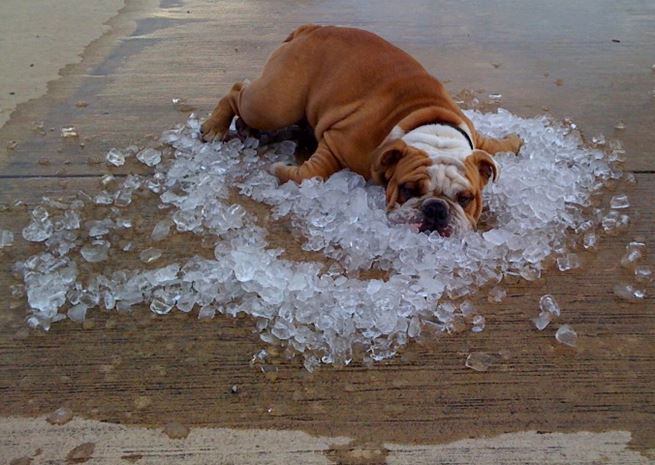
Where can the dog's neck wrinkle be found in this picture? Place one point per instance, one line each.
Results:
(441, 142)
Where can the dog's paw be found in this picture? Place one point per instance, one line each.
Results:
(281, 170)
(515, 142)
(210, 131)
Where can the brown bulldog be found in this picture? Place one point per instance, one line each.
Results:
(375, 110)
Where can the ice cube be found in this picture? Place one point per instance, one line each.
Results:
(478, 324)
(543, 320)
(95, 252)
(590, 240)
(115, 157)
(628, 292)
(631, 257)
(568, 262)
(643, 273)
(161, 230)
(481, 361)
(496, 294)
(6, 238)
(38, 232)
(77, 312)
(566, 335)
(619, 201)
(149, 156)
(69, 132)
(207, 312)
(150, 254)
(547, 303)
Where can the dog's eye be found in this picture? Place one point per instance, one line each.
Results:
(407, 191)
(464, 199)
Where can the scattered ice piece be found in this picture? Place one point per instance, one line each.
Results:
(598, 140)
(6, 238)
(636, 245)
(115, 157)
(17, 291)
(619, 201)
(149, 156)
(162, 304)
(620, 125)
(37, 231)
(590, 240)
(568, 262)
(96, 251)
(547, 303)
(149, 255)
(631, 257)
(481, 361)
(207, 312)
(123, 223)
(496, 294)
(543, 320)
(495, 97)
(628, 292)
(103, 198)
(566, 335)
(161, 230)
(77, 312)
(68, 132)
(61, 416)
(478, 323)
(643, 273)
(467, 308)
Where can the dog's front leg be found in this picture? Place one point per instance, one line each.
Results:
(321, 164)
(218, 123)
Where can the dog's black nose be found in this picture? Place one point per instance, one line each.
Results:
(435, 212)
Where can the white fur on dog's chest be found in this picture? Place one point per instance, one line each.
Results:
(448, 148)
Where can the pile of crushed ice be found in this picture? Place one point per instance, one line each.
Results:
(540, 207)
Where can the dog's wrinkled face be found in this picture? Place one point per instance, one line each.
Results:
(433, 194)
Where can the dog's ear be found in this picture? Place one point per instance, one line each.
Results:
(396, 163)
(385, 159)
(483, 165)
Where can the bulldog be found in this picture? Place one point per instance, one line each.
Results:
(374, 110)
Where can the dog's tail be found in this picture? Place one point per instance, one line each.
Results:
(305, 29)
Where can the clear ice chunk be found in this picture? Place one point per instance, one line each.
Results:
(568, 262)
(542, 320)
(481, 361)
(6, 238)
(643, 273)
(619, 201)
(547, 303)
(95, 252)
(496, 294)
(566, 335)
(149, 156)
(161, 230)
(150, 254)
(628, 292)
(115, 157)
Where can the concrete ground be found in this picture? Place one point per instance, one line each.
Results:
(126, 376)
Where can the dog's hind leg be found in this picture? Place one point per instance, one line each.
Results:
(321, 164)
(511, 143)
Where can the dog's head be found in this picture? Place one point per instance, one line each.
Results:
(442, 194)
